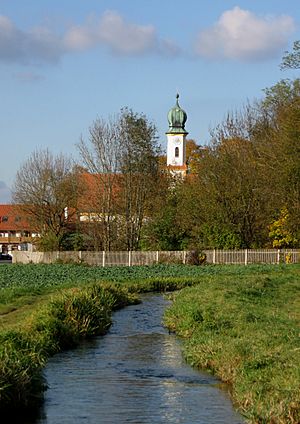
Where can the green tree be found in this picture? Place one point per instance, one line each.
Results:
(140, 176)
(227, 187)
(279, 96)
(163, 230)
(291, 60)
(278, 150)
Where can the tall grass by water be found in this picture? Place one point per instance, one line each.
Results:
(55, 325)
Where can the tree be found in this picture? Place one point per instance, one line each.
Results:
(163, 230)
(46, 190)
(280, 232)
(225, 192)
(278, 151)
(139, 166)
(122, 159)
(101, 158)
(193, 155)
(250, 172)
(291, 60)
(280, 95)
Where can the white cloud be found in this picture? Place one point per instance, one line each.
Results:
(41, 45)
(112, 31)
(240, 34)
(35, 46)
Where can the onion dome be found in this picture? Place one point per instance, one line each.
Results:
(177, 119)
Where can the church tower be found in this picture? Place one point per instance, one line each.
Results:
(176, 137)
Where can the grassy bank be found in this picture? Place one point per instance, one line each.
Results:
(245, 329)
(51, 326)
(239, 322)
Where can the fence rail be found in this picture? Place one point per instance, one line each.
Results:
(241, 257)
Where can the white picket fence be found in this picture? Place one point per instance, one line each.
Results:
(245, 257)
(253, 256)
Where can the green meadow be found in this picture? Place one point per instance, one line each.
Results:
(240, 323)
(245, 329)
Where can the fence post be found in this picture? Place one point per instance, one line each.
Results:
(278, 256)
(157, 256)
(79, 255)
(246, 256)
(129, 258)
(103, 258)
(184, 257)
(214, 256)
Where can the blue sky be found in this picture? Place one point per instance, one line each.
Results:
(63, 63)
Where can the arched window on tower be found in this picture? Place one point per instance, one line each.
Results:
(176, 152)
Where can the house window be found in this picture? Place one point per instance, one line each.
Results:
(176, 152)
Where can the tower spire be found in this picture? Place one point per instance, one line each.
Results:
(176, 135)
(177, 118)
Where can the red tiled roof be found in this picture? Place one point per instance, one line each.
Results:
(94, 186)
(11, 219)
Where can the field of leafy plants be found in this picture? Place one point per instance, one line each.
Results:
(18, 282)
(57, 275)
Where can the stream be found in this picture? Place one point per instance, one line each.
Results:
(133, 374)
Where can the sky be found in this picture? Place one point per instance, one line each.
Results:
(65, 63)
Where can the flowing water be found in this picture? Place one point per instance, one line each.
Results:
(134, 374)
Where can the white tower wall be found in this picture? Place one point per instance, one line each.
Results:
(174, 142)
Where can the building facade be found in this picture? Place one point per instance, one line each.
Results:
(15, 232)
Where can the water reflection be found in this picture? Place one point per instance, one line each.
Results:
(135, 374)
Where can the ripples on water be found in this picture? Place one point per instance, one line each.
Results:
(134, 374)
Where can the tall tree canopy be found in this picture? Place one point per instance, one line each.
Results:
(123, 156)
(291, 60)
(139, 164)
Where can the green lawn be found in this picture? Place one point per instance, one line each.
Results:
(245, 329)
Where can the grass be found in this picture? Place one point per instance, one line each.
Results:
(246, 331)
(241, 323)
